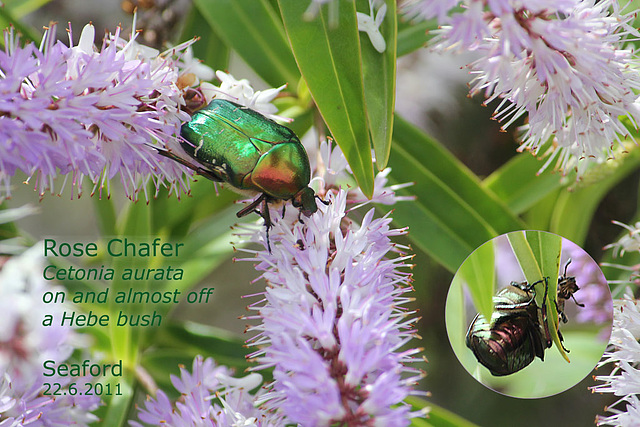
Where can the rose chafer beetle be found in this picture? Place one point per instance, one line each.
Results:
(251, 153)
(518, 331)
(515, 335)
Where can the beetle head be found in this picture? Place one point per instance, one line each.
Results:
(305, 200)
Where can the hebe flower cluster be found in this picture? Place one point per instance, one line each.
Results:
(333, 323)
(70, 110)
(25, 344)
(562, 63)
(233, 404)
(623, 354)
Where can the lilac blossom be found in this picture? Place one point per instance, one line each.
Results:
(25, 344)
(74, 111)
(562, 63)
(333, 323)
(210, 396)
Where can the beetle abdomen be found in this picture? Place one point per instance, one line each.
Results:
(504, 348)
(282, 172)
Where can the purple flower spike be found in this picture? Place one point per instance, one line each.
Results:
(333, 323)
(71, 110)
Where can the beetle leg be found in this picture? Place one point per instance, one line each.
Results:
(531, 286)
(326, 203)
(251, 207)
(544, 312)
(263, 200)
(264, 213)
(577, 303)
(561, 313)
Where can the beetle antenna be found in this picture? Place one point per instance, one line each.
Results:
(565, 267)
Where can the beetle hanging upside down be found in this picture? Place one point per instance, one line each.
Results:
(515, 335)
(518, 330)
(251, 153)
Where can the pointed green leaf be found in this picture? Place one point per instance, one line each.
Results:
(453, 214)
(538, 254)
(519, 185)
(380, 77)
(575, 207)
(437, 415)
(329, 58)
(478, 273)
(253, 29)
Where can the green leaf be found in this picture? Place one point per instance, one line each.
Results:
(179, 343)
(8, 18)
(380, 81)
(570, 211)
(206, 247)
(453, 214)
(456, 316)
(437, 415)
(106, 213)
(329, 60)
(538, 254)
(478, 273)
(117, 408)
(253, 29)
(20, 8)
(575, 207)
(135, 220)
(518, 184)
(413, 35)
(225, 347)
(174, 216)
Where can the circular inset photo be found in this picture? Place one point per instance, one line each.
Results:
(529, 314)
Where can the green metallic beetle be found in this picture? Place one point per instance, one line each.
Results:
(250, 152)
(518, 330)
(515, 335)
